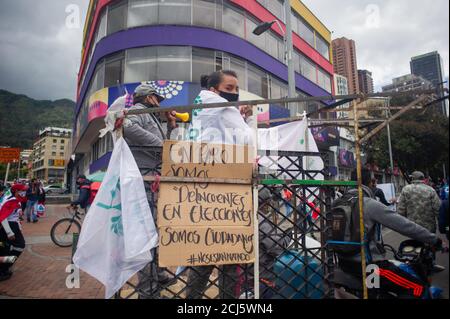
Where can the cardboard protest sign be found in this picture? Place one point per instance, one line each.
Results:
(205, 223)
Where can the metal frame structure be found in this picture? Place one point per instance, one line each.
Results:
(297, 270)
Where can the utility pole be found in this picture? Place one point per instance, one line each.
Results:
(289, 56)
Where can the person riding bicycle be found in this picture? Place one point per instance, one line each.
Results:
(376, 214)
(84, 185)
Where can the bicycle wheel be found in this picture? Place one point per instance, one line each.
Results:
(63, 230)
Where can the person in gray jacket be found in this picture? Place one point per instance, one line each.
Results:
(375, 214)
(145, 135)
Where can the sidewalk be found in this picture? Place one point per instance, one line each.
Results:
(40, 271)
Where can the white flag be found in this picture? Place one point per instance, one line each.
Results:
(118, 232)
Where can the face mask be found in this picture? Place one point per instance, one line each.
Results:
(22, 194)
(230, 97)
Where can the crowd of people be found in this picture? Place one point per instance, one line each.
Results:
(419, 205)
(18, 202)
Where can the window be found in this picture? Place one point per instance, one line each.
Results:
(275, 7)
(51, 162)
(141, 65)
(175, 12)
(117, 16)
(174, 63)
(55, 141)
(61, 154)
(257, 82)
(324, 80)
(238, 66)
(233, 22)
(308, 69)
(272, 46)
(61, 148)
(53, 153)
(202, 63)
(305, 32)
(296, 58)
(278, 89)
(62, 141)
(323, 47)
(114, 70)
(257, 40)
(294, 22)
(53, 147)
(101, 31)
(142, 12)
(204, 13)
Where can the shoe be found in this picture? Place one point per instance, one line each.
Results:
(28, 221)
(35, 221)
(438, 268)
(9, 259)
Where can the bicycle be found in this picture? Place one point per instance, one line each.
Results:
(62, 231)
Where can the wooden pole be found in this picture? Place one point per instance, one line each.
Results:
(360, 202)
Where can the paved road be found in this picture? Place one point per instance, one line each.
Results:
(441, 279)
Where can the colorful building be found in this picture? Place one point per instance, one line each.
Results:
(173, 42)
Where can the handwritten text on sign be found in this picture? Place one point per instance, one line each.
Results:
(205, 223)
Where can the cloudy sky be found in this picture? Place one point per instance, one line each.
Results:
(40, 41)
(388, 32)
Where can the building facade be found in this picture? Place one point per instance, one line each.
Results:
(365, 80)
(341, 88)
(430, 66)
(172, 43)
(345, 62)
(49, 153)
(407, 83)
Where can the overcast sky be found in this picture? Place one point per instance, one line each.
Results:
(40, 52)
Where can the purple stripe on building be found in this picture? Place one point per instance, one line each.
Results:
(100, 164)
(197, 37)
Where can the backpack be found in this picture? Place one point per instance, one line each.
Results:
(94, 187)
(345, 225)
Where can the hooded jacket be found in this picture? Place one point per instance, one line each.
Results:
(375, 213)
(144, 130)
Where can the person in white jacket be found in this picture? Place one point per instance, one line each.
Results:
(225, 125)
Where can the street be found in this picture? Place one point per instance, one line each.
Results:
(41, 270)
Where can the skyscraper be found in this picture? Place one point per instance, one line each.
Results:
(430, 67)
(365, 81)
(345, 63)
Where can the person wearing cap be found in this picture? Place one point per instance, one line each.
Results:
(84, 185)
(146, 129)
(140, 132)
(420, 203)
(10, 230)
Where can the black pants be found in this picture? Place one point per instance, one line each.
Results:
(198, 281)
(13, 247)
(392, 279)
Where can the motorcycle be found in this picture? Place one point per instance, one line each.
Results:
(412, 257)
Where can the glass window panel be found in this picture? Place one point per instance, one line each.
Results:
(324, 80)
(175, 12)
(114, 70)
(323, 47)
(258, 40)
(219, 14)
(276, 8)
(308, 69)
(294, 22)
(101, 31)
(239, 67)
(117, 15)
(174, 63)
(306, 33)
(142, 12)
(203, 63)
(296, 57)
(233, 22)
(204, 12)
(257, 82)
(272, 44)
(141, 65)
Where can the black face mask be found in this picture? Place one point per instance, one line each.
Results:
(230, 97)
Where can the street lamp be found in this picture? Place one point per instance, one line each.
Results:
(289, 48)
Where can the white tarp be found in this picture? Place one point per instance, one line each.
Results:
(118, 232)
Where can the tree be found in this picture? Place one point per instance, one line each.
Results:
(420, 141)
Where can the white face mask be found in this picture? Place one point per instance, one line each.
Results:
(22, 193)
